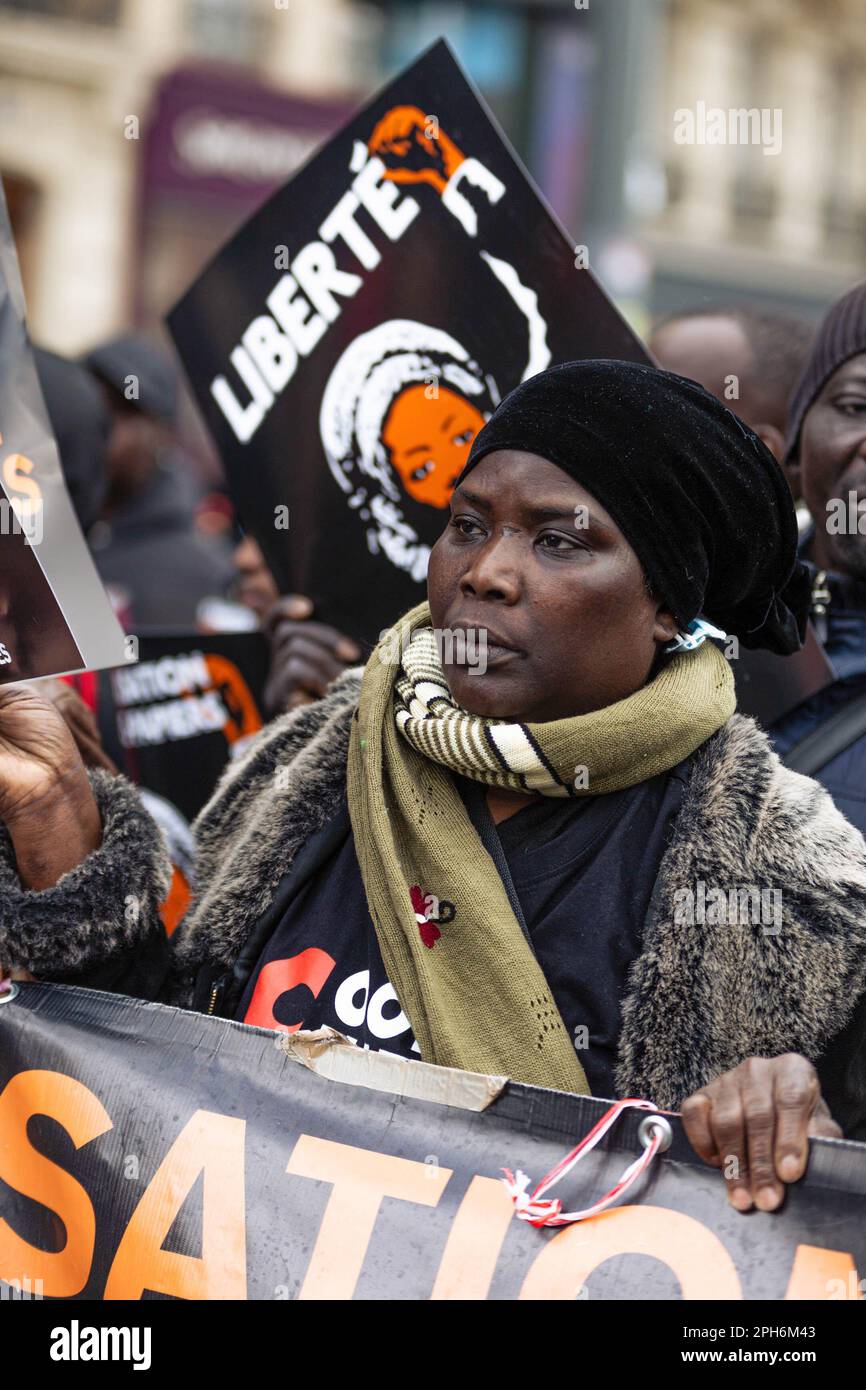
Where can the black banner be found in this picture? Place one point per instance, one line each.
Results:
(180, 713)
(349, 342)
(146, 1152)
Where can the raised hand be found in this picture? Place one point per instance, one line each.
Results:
(46, 802)
(305, 656)
(414, 149)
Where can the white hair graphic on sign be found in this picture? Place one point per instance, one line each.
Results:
(398, 415)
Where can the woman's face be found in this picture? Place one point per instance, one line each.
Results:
(532, 565)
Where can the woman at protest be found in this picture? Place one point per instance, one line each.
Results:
(531, 837)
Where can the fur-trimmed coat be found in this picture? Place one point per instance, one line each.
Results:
(700, 998)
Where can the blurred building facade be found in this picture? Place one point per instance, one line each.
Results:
(787, 226)
(135, 134)
(80, 137)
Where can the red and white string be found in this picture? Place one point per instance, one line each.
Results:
(532, 1206)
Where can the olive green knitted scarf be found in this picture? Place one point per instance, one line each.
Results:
(453, 949)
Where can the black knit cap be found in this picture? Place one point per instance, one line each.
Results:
(699, 498)
(133, 355)
(842, 335)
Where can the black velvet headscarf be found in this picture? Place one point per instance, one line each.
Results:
(699, 498)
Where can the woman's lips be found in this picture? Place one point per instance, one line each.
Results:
(497, 655)
(481, 649)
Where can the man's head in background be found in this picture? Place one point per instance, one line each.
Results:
(140, 386)
(826, 444)
(751, 359)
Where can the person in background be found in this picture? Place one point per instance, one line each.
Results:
(306, 656)
(826, 458)
(146, 543)
(81, 423)
(749, 358)
(254, 584)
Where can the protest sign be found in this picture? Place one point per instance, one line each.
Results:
(349, 342)
(181, 711)
(146, 1151)
(55, 614)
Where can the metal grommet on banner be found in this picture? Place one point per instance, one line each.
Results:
(655, 1126)
(7, 995)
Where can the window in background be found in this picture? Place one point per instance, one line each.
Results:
(228, 30)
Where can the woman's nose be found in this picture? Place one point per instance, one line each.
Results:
(494, 573)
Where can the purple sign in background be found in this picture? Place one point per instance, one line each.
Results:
(216, 133)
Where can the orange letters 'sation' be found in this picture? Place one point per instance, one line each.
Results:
(688, 1247)
(311, 968)
(212, 1144)
(474, 1241)
(65, 1272)
(816, 1270)
(361, 1178)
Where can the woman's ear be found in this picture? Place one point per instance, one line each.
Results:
(773, 438)
(666, 626)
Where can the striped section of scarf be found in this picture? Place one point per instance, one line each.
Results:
(493, 751)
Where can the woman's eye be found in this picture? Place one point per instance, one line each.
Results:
(853, 405)
(465, 525)
(552, 540)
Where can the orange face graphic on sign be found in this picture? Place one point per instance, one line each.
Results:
(428, 440)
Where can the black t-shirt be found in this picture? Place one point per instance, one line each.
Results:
(583, 873)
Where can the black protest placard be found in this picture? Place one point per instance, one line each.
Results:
(349, 342)
(146, 1151)
(185, 707)
(54, 614)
